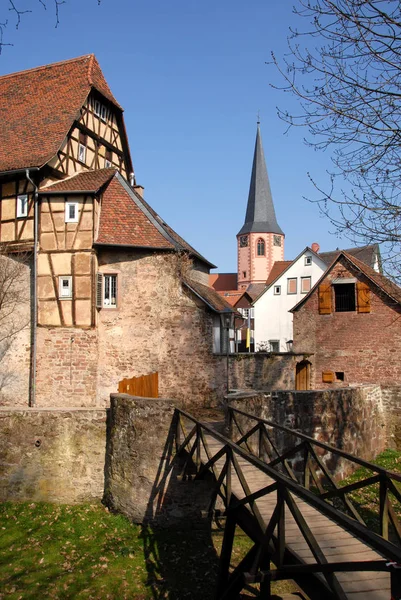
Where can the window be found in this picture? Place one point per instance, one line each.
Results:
(277, 290)
(305, 285)
(65, 287)
(308, 261)
(260, 248)
(274, 345)
(344, 294)
(103, 113)
(276, 240)
(22, 205)
(292, 285)
(243, 241)
(108, 159)
(97, 108)
(244, 274)
(71, 212)
(83, 141)
(106, 291)
(245, 312)
(340, 376)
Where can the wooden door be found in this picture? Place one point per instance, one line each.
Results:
(302, 375)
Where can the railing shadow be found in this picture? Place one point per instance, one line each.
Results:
(181, 560)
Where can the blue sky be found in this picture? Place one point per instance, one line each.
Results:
(192, 77)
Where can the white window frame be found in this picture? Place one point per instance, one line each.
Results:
(107, 163)
(277, 290)
(103, 288)
(104, 113)
(22, 206)
(97, 108)
(308, 261)
(310, 284)
(62, 288)
(68, 218)
(81, 152)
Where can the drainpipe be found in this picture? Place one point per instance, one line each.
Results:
(34, 310)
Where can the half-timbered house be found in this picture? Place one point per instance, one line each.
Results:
(115, 292)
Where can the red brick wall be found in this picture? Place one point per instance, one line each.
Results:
(366, 347)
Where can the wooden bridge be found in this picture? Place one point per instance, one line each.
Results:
(290, 506)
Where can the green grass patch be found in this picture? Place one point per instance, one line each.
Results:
(366, 500)
(83, 551)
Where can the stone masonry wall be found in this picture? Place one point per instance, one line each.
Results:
(52, 455)
(351, 419)
(141, 472)
(365, 347)
(66, 367)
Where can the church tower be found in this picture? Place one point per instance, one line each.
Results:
(260, 241)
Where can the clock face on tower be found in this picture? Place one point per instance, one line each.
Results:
(243, 241)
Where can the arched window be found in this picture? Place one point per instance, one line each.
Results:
(261, 247)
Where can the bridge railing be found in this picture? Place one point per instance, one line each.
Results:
(307, 461)
(269, 538)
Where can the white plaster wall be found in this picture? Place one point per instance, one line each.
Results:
(272, 319)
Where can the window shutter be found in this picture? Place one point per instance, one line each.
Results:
(325, 299)
(363, 297)
(99, 290)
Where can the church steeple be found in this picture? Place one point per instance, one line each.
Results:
(260, 215)
(260, 239)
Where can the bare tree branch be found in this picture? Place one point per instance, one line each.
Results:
(344, 66)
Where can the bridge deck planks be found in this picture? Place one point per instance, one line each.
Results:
(336, 543)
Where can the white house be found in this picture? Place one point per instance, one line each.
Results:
(288, 283)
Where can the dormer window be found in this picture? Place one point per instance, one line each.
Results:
(260, 247)
(22, 206)
(71, 212)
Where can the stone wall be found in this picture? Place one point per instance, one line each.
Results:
(262, 371)
(52, 455)
(66, 367)
(352, 419)
(142, 471)
(391, 397)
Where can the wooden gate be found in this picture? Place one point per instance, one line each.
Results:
(146, 386)
(302, 375)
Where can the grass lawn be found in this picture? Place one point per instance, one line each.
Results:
(52, 551)
(366, 500)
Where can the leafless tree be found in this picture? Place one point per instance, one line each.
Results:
(16, 10)
(344, 65)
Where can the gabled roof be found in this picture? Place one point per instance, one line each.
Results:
(83, 182)
(234, 296)
(369, 254)
(209, 296)
(39, 106)
(127, 220)
(282, 267)
(260, 215)
(387, 286)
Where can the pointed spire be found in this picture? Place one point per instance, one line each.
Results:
(260, 215)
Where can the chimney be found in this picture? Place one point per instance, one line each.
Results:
(315, 247)
(139, 189)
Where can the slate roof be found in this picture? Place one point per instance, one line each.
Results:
(85, 181)
(369, 254)
(209, 296)
(39, 106)
(255, 289)
(383, 283)
(260, 215)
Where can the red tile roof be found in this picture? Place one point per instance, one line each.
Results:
(223, 281)
(209, 296)
(122, 222)
(278, 267)
(85, 181)
(231, 296)
(39, 106)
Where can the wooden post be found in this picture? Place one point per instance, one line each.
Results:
(225, 556)
(383, 506)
